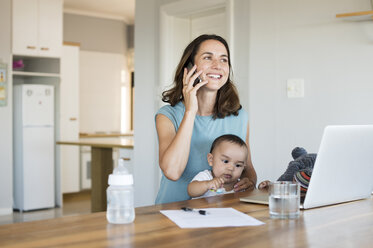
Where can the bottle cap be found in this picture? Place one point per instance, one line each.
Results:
(121, 175)
(120, 179)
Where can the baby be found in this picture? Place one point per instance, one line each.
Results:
(227, 157)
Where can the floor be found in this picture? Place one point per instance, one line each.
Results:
(73, 204)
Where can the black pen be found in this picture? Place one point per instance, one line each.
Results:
(186, 209)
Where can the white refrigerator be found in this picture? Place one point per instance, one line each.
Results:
(33, 146)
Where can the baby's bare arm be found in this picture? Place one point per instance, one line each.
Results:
(198, 188)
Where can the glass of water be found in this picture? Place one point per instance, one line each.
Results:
(284, 200)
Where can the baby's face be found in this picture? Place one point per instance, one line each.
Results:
(228, 161)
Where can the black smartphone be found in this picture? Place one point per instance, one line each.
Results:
(198, 79)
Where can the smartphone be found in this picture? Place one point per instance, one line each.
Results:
(198, 79)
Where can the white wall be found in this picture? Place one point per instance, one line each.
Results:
(240, 48)
(304, 39)
(104, 52)
(96, 34)
(6, 131)
(273, 41)
(210, 22)
(146, 74)
(100, 91)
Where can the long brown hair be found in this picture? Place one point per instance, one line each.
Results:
(227, 100)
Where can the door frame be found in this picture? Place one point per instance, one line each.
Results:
(174, 27)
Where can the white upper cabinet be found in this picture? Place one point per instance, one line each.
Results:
(50, 27)
(37, 27)
(25, 28)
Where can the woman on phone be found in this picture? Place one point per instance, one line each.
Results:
(203, 105)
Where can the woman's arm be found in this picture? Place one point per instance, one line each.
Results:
(174, 146)
(248, 177)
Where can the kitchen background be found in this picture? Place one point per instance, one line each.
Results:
(91, 72)
(272, 42)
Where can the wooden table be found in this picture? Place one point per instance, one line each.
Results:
(343, 225)
(101, 165)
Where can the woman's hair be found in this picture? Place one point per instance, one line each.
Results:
(227, 100)
(229, 138)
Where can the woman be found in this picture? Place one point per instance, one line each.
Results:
(198, 113)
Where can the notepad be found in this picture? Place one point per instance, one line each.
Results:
(215, 217)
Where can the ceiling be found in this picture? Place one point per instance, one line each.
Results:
(112, 9)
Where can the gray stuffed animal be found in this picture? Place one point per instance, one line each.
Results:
(303, 161)
(300, 169)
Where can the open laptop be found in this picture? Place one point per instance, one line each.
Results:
(343, 169)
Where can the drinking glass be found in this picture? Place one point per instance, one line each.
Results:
(284, 200)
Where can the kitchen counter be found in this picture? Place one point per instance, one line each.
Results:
(104, 135)
(101, 164)
(103, 142)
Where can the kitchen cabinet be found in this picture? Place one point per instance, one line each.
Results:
(37, 27)
(69, 121)
(36, 67)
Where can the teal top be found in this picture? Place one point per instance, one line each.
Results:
(205, 131)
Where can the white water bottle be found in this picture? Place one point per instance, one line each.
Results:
(119, 194)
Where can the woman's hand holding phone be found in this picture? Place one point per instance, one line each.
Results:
(190, 90)
(198, 79)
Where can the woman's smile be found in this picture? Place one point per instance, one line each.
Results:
(214, 76)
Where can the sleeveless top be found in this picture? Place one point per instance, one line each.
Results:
(205, 131)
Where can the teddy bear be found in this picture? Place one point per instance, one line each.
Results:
(299, 170)
(303, 161)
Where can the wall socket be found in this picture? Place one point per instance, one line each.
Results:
(295, 87)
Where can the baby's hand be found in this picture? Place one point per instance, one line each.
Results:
(264, 184)
(216, 183)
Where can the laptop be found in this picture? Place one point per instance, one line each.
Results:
(343, 169)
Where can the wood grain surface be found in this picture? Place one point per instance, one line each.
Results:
(123, 142)
(343, 225)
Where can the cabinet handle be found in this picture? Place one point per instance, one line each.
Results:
(72, 119)
(126, 159)
(44, 49)
(31, 47)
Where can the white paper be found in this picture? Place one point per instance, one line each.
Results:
(215, 217)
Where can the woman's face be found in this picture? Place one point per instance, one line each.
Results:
(212, 59)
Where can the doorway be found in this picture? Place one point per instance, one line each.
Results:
(180, 23)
